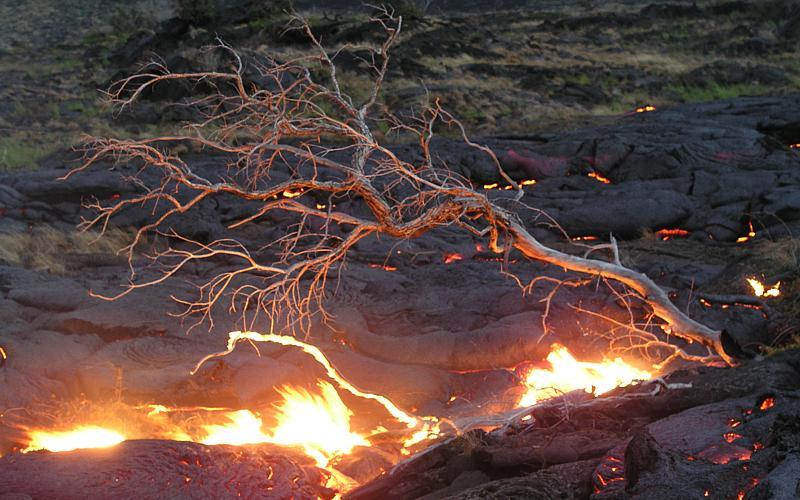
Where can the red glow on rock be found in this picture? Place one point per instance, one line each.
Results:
(449, 258)
(668, 234)
(383, 266)
(599, 177)
(725, 453)
(731, 436)
(768, 403)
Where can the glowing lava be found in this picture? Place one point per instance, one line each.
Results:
(668, 234)
(318, 423)
(82, 437)
(760, 290)
(568, 374)
(599, 177)
(645, 109)
(751, 233)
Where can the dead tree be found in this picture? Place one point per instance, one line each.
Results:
(288, 138)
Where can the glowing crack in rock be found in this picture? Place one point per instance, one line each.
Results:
(81, 437)
(567, 374)
(760, 290)
(599, 177)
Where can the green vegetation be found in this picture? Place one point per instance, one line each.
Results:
(715, 91)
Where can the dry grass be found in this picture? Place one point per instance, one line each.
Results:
(48, 249)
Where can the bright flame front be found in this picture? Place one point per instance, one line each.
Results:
(318, 423)
(568, 374)
(81, 437)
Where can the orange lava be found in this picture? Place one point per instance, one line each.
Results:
(599, 177)
(384, 267)
(449, 258)
(731, 436)
(768, 403)
(645, 109)
(668, 234)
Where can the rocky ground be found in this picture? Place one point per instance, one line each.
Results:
(710, 169)
(716, 171)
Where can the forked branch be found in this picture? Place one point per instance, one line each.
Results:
(304, 152)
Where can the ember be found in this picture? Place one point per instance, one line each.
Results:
(767, 403)
(731, 436)
(449, 258)
(760, 290)
(668, 234)
(645, 109)
(750, 234)
(82, 437)
(568, 374)
(599, 177)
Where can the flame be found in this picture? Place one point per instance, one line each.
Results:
(751, 233)
(89, 436)
(384, 267)
(567, 374)
(243, 427)
(285, 340)
(668, 234)
(645, 109)
(731, 436)
(449, 258)
(288, 193)
(599, 177)
(508, 187)
(760, 290)
(318, 423)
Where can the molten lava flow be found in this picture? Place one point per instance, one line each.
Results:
(3, 356)
(82, 437)
(599, 177)
(668, 234)
(645, 109)
(567, 374)
(760, 290)
(320, 424)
